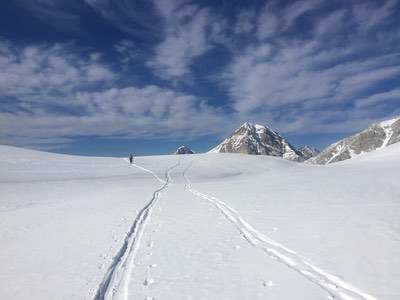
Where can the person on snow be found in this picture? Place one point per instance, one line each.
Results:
(131, 158)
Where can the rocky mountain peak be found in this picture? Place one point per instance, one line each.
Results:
(184, 150)
(259, 140)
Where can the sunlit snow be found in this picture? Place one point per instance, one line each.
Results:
(201, 226)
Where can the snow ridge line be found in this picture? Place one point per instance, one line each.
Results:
(334, 286)
(119, 272)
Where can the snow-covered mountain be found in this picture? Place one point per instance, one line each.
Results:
(184, 150)
(375, 137)
(258, 139)
(308, 151)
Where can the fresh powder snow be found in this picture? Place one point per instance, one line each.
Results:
(201, 226)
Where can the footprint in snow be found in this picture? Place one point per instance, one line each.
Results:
(157, 227)
(268, 283)
(150, 244)
(148, 281)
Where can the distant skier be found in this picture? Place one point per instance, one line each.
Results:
(131, 158)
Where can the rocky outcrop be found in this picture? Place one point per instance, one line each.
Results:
(308, 152)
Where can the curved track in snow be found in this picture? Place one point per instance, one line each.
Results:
(334, 286)
(116, 280)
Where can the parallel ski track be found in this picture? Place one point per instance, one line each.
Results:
(116, 280)
(334, 286)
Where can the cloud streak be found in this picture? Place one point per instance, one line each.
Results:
(186, 38)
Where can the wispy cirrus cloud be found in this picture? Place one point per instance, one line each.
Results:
(63, 15)
(328, 66)
(371, 14)
(379, 98)
(186, 37)
(307, 66)
(134, 17)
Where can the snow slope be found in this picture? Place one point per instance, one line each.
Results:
(204, 226)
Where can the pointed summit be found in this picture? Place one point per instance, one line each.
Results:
(184, 150)
(260, 140)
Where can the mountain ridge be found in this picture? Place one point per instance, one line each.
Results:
(375, 137)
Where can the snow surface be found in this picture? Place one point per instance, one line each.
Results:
(204, 226)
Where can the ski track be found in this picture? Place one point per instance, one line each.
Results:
(334, 286)
(115, 283)
(119, 273)
(153, 173)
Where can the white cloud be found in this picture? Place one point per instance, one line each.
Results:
(127, 51)
(369, 15)
(129, 16)
(186, 38)
(267, 22)
(245, 22)
(295, 10)
(302, 66)
(48, 69)
(275, 19)
(59, 14)
(297, 82)
(384, 97)
(51, 94)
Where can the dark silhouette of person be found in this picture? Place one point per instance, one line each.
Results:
(131, 158)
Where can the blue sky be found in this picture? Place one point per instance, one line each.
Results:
(107, 77)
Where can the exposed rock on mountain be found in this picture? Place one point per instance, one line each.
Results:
(184, 150)
(308, 152)
(374, 137)
(258, 139)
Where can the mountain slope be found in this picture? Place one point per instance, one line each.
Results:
(375, 137)
(308, 151)
(260, 140)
